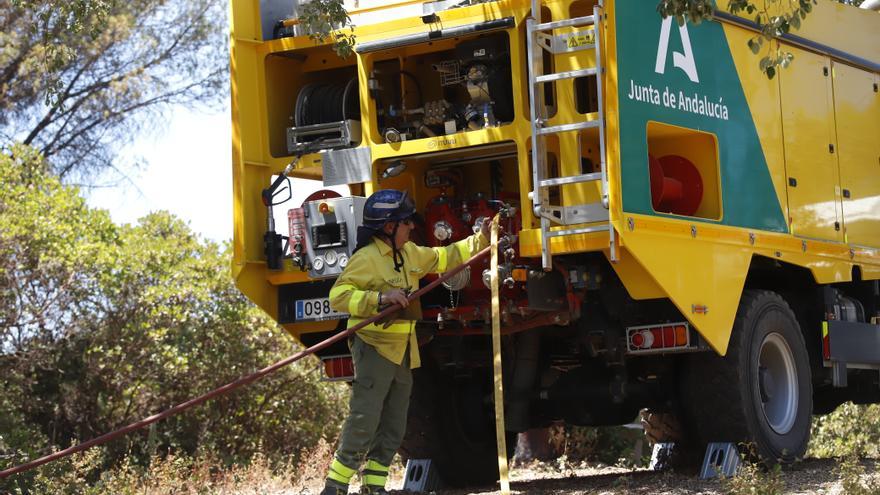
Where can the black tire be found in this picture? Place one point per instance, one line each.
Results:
(760, 394)
(451, 423)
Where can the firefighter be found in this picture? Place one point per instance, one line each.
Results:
(384, 268)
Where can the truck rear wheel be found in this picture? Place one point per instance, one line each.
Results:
(452, 423)
(760, 394)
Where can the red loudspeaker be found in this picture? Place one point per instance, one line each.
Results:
(676, 185)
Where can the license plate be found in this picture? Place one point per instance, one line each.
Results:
(317, 310)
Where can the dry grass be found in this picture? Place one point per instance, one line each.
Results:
(179, 476)
(309, 477)
(815, 476)
(174, 476)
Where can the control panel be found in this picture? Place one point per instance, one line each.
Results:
(330, 233)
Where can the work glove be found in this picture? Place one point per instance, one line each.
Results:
(389, 297)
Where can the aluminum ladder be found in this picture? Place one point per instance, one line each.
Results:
(596, 215)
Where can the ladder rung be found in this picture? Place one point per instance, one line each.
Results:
(577, 21)
(573, 179)
(553, 129)
(581, 230)
(571, 74)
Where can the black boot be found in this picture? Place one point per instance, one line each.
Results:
(333, 489)
(373, 490)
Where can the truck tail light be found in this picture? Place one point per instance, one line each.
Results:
(338, 368)
(668, 337)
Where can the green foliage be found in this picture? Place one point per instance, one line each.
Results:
(164, 475)
(850, 429)
(754, 479)
(77, 17)
(853, 479)
(81, 79)
(50, 244)
(608, 445)
(774, 18)
(686, 10)
(102, 325)
(328, 19)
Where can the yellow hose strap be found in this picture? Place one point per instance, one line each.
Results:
(442, 259)
(375, 466)
(496, 356)
(340, 472)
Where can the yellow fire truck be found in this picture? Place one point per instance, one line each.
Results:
(685, 235)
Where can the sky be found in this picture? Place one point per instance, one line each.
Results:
(187, 171)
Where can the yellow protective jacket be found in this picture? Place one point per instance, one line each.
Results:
(371, 271)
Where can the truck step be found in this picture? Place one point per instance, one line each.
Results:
(579, 230)
(572, 179)
(575, 214)
(576, 126)
(571, 74)
(586, 20)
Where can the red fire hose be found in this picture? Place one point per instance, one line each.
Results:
(245, 380)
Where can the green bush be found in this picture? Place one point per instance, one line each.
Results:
(162, 476)
(850, 429)
(753, 479)
(853, 480)
(102, 325)
(608, 445)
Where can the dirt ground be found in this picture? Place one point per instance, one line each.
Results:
(812, 476)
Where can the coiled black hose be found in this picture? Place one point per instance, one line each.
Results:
(324, 103)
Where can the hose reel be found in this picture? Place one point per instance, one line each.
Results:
(459, 281)
(329, 112)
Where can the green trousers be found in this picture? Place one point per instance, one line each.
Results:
(378, 406)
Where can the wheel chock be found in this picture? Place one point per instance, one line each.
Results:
(420, 476)
(660, 456)
(722, 459)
